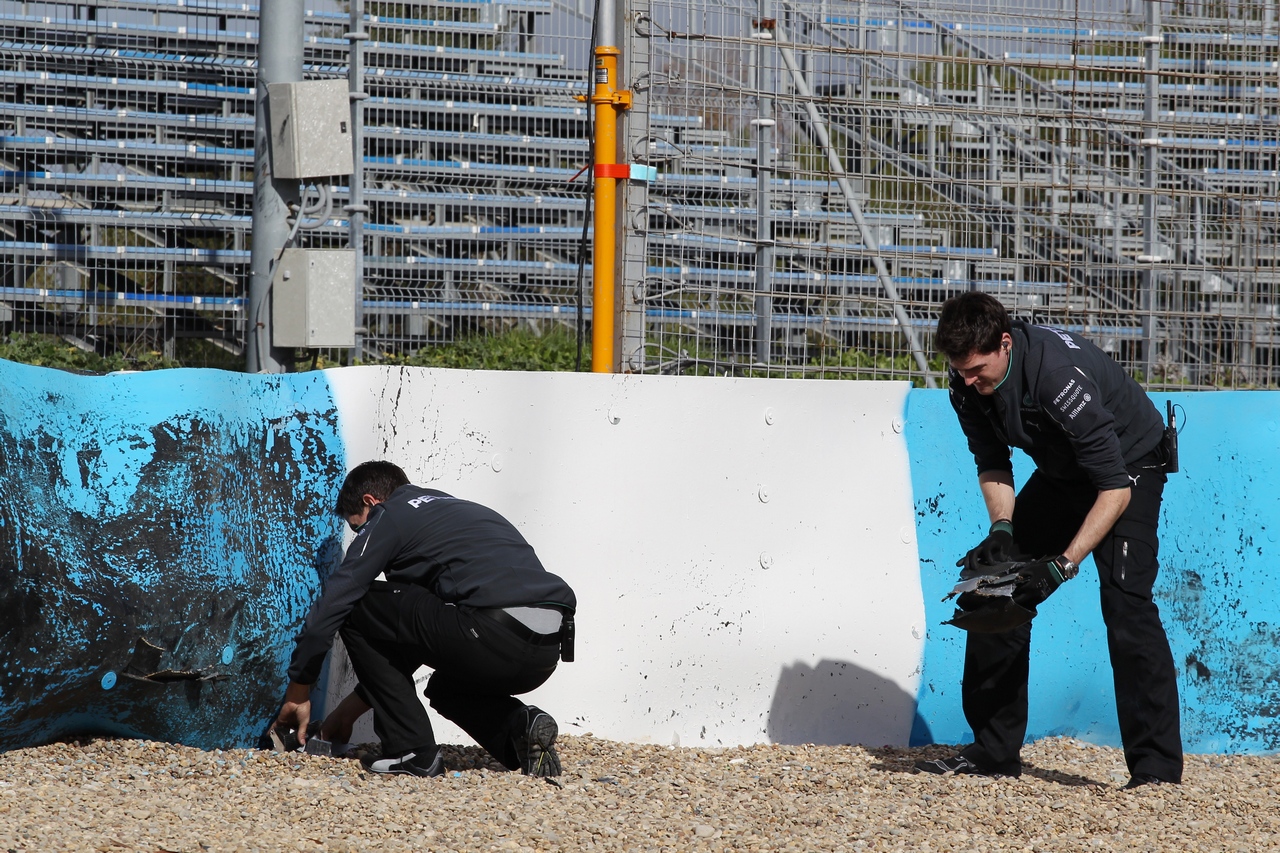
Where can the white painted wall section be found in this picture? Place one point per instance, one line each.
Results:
(743, 551)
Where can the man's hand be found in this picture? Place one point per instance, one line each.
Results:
(296, 710)
(1037, 581)
(998, 547)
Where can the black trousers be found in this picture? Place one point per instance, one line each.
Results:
(479, 666)
(1046, 516)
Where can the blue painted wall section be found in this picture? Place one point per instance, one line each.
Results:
(1220, 580)
(1218, 591)
(161, 538)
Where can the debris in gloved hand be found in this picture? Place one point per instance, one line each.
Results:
(986, 603)
(1000, 581)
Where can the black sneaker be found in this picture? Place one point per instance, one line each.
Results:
(535, 747)
(1138, 780)
(409, 764)
(956, 765)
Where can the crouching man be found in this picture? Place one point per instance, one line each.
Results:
(464, 595)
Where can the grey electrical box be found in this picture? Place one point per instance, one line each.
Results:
(310, 129)
(313, 298)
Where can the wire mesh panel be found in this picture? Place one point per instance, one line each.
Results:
(474, 134)
(125, 167)
(832, 171)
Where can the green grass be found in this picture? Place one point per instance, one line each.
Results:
(518, 349)
(51, 351)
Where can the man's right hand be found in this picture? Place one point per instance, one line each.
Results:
(998, 547)
(1037, 581)
(295, 712)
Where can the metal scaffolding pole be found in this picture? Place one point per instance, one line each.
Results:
(609, 100)
(279, 61)
(764, 123)
(1151, 140)
(635, 200)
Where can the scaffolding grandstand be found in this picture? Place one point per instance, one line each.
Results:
(822, 175)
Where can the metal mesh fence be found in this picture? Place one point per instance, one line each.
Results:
(1105, 167)
(827, 173)
(125, 167)
(473, 136)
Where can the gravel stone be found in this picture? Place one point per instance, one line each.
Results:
(127, 795)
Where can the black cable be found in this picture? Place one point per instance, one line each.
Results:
(590, 185)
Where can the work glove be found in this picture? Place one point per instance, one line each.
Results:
(998, 547)
(1037, 581)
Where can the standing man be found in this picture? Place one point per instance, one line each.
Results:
(465, 595)
(1098, 444)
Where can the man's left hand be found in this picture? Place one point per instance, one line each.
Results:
(1037, 581)
(296, 711)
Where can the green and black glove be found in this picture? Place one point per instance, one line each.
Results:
(1039, 580)
(998, 547)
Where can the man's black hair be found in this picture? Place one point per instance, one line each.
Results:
(375, 478)
(971, 322)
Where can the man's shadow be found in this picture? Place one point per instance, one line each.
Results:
(902, 760)
(838, 702)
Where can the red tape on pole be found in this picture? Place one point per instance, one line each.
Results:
(622, 171)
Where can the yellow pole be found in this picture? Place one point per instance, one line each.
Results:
(608, 101)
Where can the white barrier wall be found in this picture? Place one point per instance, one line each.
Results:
(743, 551)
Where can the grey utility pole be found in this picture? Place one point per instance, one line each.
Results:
(279, 61)
(357, 208)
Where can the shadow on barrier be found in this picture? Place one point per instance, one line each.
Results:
(838, 702)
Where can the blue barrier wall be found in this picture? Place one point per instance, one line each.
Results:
(161, 537)
(1217, 589)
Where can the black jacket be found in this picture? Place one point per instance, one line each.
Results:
(463, 552)
(1067, 404)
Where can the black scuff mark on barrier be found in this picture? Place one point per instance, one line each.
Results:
(215, 552)
(1232, 665)
(934, 513)
(395, 405)
(930, 505)
(87, 460)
